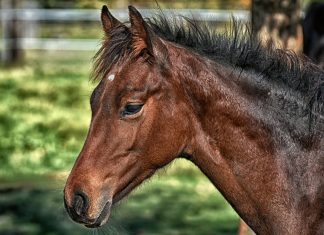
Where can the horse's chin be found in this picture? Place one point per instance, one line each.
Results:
(103, 217)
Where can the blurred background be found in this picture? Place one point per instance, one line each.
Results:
(46, 57)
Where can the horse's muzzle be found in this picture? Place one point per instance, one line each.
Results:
(78, 210)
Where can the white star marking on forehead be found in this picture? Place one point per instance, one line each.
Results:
(111, 77)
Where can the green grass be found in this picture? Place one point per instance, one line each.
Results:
(44, 117)
(44, 112)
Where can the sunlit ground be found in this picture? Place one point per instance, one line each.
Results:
(44, 116)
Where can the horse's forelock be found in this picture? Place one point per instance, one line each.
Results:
(114, 48)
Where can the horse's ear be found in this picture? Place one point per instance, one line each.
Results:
(108, 20)
(142, 43)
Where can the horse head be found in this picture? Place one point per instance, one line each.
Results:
(135, 126)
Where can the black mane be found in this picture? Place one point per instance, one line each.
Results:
(237, 48)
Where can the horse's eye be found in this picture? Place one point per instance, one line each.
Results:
(131, 109)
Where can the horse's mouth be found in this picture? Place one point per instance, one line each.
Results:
(105, 213)
(103, 217)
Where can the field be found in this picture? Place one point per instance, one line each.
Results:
(44, 116)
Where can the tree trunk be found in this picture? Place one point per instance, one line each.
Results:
(278, 21)
(11, 54)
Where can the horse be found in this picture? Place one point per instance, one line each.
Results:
(251, 118)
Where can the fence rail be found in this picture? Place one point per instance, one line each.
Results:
(31, 16)
(93, 15)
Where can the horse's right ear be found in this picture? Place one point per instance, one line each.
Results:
(108, 20)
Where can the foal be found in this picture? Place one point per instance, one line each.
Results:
(250, 118)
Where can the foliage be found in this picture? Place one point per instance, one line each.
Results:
(73, 30)
(305, 3)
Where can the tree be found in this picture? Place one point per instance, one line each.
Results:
(278, 21)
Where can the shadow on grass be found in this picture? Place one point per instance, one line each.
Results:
(161, 207)
(27, 211)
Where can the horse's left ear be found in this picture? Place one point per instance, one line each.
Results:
(142, 43)
(108, 20)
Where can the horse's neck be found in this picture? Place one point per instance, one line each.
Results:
(236, 151)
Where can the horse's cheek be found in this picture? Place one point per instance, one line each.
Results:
(164, 142)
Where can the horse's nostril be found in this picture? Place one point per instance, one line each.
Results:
(80, 203)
